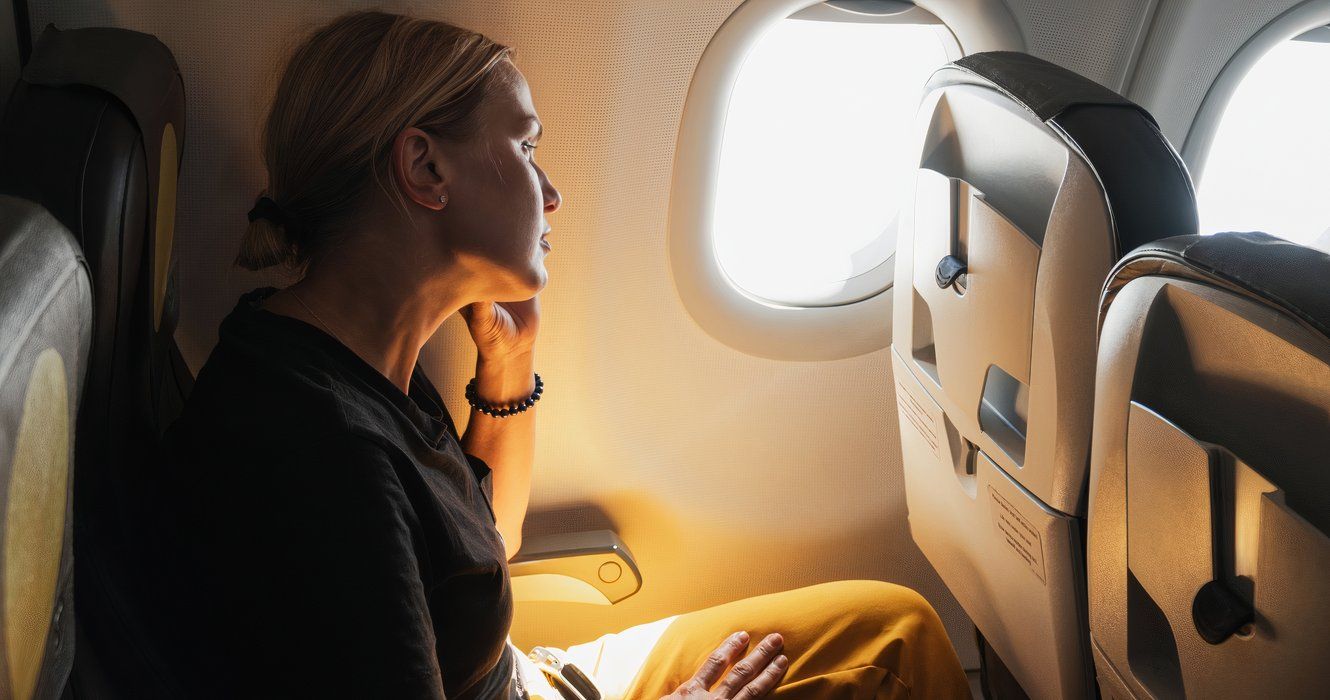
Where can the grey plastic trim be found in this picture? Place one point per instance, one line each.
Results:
(871, 7)
(1127, 75)
(597, 558)
(1319, 35)
(866, 12)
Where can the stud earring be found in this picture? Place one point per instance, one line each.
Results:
(443, 200)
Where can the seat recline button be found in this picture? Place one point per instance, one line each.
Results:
(948, 270)
(1218, 613)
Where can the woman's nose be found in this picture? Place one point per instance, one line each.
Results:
(553, 200)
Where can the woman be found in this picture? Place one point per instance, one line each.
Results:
(335, 534)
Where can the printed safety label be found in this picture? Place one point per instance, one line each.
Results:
(918, 416)
(1019, 534)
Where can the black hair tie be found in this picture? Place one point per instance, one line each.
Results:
(267, 208)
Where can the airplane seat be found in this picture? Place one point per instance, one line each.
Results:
(46, 323)
(1032, 181)
(93, 131)
(1209, 513)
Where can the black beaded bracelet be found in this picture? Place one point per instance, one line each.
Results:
(473, 398)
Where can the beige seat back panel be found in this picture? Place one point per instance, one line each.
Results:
(1212, 423)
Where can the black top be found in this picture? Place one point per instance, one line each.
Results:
(334, 538)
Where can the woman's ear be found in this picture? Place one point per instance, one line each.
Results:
(417, 166)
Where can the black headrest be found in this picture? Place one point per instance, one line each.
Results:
(1044, 88)
(93, 131)
(46, 327)
(136, 69)
(1284, 275)
(1146, 182)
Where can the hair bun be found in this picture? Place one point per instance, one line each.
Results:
(269, 240)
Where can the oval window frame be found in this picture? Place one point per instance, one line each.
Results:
(725, 311)
(1204, 126)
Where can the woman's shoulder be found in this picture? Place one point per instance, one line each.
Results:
(244, 393)
(251, 417)
(265, 362)
(258, 453)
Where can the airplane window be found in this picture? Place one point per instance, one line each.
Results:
(816, 157)
(1267, 169)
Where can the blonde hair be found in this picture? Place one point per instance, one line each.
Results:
(345, 94)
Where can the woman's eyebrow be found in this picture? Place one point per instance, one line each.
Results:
(528, 120)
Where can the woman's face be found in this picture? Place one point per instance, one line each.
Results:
(498, 196)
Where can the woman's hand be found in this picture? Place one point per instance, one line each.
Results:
(503, 329)
(754, 677)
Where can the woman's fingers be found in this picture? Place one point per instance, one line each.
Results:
(753, 669)
(765, 681)
(720, 659)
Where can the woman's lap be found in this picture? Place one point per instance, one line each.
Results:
(844, 639)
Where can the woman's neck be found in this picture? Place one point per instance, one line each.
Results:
(384, 321)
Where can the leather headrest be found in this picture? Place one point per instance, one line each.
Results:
(1284, 275)
(1044, 88)
(140, 75)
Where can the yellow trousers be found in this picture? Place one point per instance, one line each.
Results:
(845, 640)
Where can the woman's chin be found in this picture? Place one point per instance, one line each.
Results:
(536, 278)
(538, 265)
(544, 279)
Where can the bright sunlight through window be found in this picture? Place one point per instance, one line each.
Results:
(1269, 166)
(816, 158)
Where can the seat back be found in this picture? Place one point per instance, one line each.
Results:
(93, 131)
(46, 327)
(1209, 525)
(1031, 181)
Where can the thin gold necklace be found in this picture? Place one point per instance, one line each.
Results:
(317, 317)
(327, 328)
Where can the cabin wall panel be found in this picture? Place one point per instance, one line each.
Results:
(727, 475)
(1096, 38)
(1188, 45)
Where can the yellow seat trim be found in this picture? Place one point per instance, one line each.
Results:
(165, 226)
(35, 521)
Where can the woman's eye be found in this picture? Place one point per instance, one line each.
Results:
(529, 145)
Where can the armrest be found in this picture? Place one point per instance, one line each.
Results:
(582, 567)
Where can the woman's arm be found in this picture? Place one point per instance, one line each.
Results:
(507, 445)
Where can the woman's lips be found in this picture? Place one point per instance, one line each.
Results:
(543, 242)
